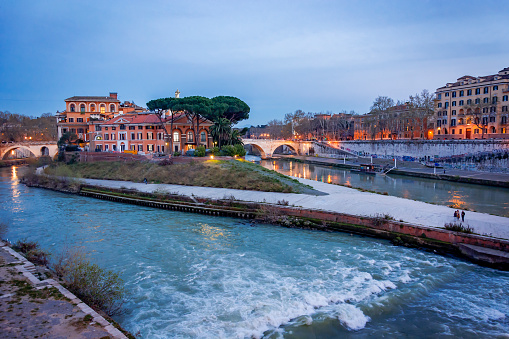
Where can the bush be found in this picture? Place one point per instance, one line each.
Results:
(31, 251)
(200, 151)
(94, 285)
(215, 150)
(230, 150)
(176, 154)
(458, 227)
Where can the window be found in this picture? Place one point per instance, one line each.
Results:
(486, 100)
(113, 128)
(71, 119)
(477, 101)
(112, 136)
(439, 96)
(461, 131)
(484, 120)
(203, 136)
(446, 104)
(454, 94)
(477, 91)
(447, 94)
(140, 148)
(492, 119)
(444, 113)
(122, 127)
(131, 128)
(469, 92)
(150, 136)
(98, 128)
(486, 90)
(106, 147)
(476, 131)
(112, 108)
(504, 108)
(493, 109)
(82, 108)
(122, 136)
(73, 108)
(505, 98)
(469, 102)
(106, 136)
(444, 122)
(176, 136)
(453, 112)
(79, 119)
(453, 122)
(140, 136)
(133, 136)
(495, 88)
(64, 130)
(150, 148)
(462, 102)
(439, 105)
(105, 128)
(133, 147)
(462, 93)
(453, 130)
(453, 103)
(103, 108)
(92, 107)
(503, 120)
(494, 100)
(140, 127)
(80, 130)
(114, 147)
(190, 136)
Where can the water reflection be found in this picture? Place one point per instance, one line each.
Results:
(485, 199)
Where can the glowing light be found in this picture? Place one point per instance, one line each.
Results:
(211, 157)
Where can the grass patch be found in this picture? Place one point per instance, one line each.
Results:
(213, 173)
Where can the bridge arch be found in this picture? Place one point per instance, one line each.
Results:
(258, 148)
(11, 150)
(281, 147)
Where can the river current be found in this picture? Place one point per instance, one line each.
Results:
(195, 276)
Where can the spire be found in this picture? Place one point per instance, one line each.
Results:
(177, 93)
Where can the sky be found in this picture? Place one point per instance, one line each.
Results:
(277, 56)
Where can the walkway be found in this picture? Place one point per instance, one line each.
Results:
(339, 199)
(407, 166)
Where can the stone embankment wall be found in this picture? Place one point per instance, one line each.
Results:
(428, 149)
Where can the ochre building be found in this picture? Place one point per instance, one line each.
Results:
(473, 108)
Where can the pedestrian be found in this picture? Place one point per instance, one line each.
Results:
(145, 181)
(455, 214)
(463, 216)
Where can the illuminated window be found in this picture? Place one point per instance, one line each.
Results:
(203, 136)
(176, 136)
(190, 137)
(103, 108)
(92, 107)
(82, 108)
(112, 108)
(73, 108)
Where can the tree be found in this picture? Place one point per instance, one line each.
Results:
(478, 113)
(220, 130)
(420, 108)
(230, 108)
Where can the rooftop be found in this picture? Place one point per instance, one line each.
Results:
(92, 98)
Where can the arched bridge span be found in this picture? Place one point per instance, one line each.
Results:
(48, 148)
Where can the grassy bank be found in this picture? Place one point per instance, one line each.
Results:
(213, 173)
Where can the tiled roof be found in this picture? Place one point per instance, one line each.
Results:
(92, 98)
(486, 78)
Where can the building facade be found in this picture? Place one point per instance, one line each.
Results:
(473, 108)
(399, 122)
(145, 133)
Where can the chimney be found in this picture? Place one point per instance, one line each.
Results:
(113, 95)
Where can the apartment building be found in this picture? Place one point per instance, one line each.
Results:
(473, 108)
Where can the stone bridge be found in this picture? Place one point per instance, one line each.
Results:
(37, 148)
(268, 146)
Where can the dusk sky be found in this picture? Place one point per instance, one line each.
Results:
(277, 56)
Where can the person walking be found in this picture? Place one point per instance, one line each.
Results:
(463, 216)
(455, 214)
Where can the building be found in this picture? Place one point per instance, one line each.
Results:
(473, 108)
(146, 133)
(106, 124)
(399, 122)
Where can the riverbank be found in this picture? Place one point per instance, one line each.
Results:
(32, 308)
(414, 170)
(405, 221)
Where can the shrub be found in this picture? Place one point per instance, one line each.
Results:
(176, 154)
(200, 151)
(31, 251)
(94, 285)
(24, 245)
(458, 227)
(228, 150)
(215, 150)
(239, 150)
(165, 162)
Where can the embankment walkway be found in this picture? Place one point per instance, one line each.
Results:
(415, 169)
(338, 199)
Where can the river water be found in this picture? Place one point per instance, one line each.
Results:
(195, 276)
(486, 199)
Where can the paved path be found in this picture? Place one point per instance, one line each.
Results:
(34, 308)
(339, 199)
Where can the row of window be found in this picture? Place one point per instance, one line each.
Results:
(77, 120)
(148, 148)
(461, 121)
(150, 136)
(469, 92)
(477, 101)
(492, 130)
(492, 109)
(92, 108)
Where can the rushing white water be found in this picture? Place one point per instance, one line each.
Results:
(193, 276)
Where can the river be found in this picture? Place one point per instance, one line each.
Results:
(486, 199)
(195, 276)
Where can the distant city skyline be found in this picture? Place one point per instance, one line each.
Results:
(277, 56)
